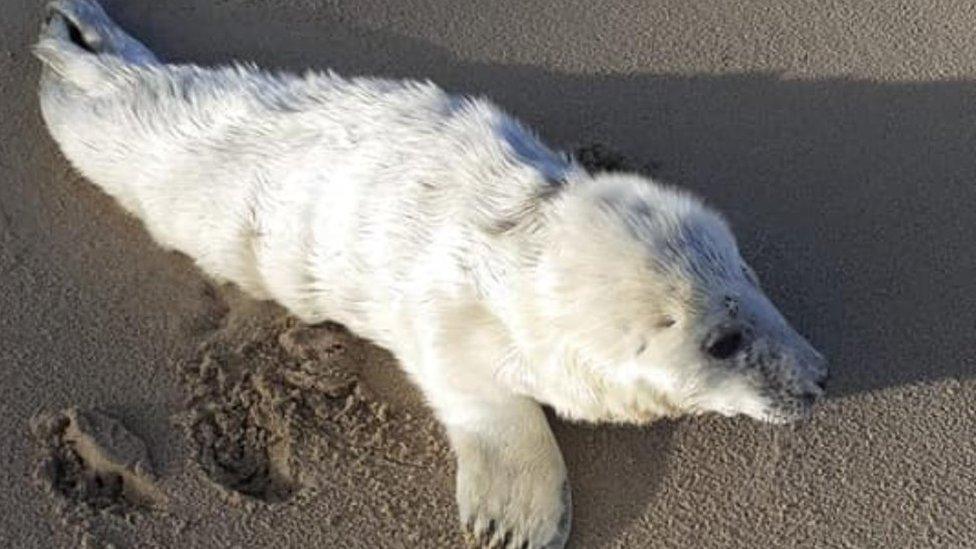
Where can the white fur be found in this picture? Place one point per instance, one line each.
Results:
(499, 272)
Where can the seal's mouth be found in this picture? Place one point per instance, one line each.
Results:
(792, 408)
(781, 418)
(796, 400)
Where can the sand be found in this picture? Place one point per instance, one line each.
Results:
(143, 406)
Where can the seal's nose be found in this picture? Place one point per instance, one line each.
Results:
(823, 372)
(814, 383)
(817, 366)
(822, 379)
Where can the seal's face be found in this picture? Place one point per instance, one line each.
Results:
(749, 360)
(732, 352)
(726, 349)
(675, 321)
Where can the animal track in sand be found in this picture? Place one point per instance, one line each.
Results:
(262, 383)
(242, 455)
(92, 461)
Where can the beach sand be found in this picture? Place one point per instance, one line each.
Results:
(141, 405)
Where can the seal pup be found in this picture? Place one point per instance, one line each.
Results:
(501, 274)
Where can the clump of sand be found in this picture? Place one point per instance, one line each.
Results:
(598, 157)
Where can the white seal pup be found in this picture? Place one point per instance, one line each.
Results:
(501, 274)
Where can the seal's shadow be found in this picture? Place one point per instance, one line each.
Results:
(854, 200)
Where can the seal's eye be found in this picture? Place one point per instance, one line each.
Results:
(726, 346)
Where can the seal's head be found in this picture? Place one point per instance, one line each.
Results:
(654, 300)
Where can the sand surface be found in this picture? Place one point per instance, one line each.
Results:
(141, 406)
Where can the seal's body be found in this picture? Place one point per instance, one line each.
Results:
(500, 273)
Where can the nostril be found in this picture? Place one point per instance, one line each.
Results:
(824, 378)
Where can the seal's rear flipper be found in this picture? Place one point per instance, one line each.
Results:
(82, 47)
(61, 55)
(74, 34)
(93, 31)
